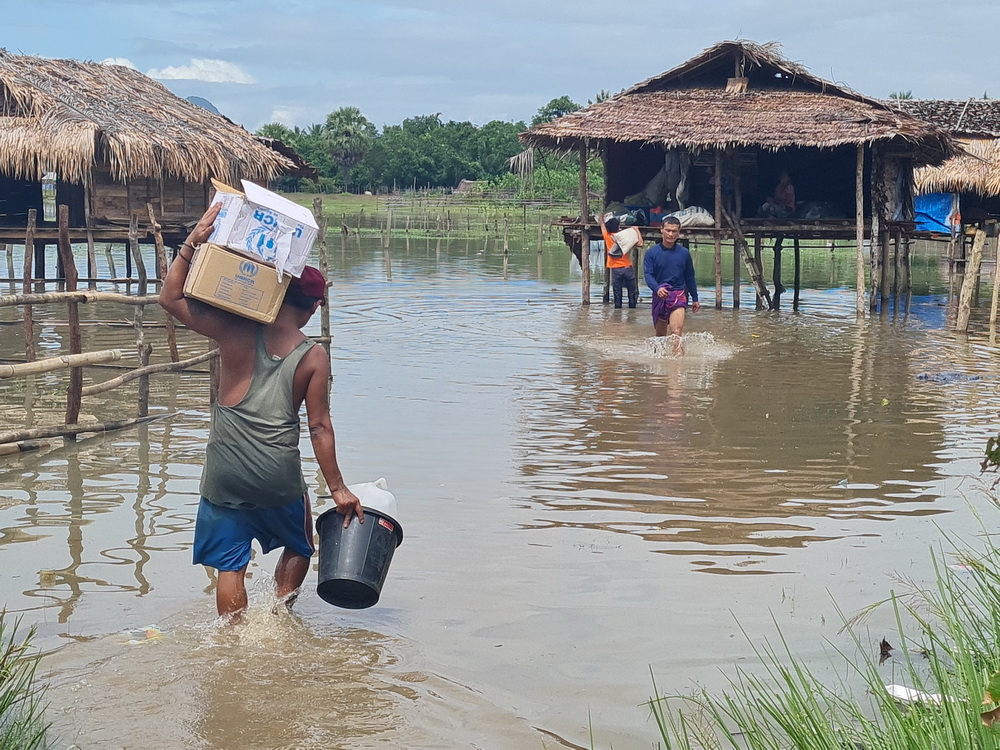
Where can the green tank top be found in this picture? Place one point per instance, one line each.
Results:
(252, 457)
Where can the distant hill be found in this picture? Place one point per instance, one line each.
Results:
(203, 103)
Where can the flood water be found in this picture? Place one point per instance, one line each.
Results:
(583, 511)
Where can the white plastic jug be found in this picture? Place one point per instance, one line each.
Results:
(376, 495)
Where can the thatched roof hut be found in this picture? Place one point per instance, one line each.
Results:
(976, 125)
(67, 116)
(745, 98)
(718, 131)
(114, 140)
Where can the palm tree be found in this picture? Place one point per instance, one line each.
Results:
(348, 135)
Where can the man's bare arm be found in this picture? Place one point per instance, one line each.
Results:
(199, 317)
(322, 437)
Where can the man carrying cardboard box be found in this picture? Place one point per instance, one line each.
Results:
(252, 486)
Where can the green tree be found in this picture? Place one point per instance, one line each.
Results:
(349, 135)
(901, 95)
(556, 108)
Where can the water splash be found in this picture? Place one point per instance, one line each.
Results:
(701, 345)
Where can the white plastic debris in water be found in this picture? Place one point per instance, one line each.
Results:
(376, 495)
(903, 694)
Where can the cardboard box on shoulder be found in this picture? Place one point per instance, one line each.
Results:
(264, 226)
(233, 282)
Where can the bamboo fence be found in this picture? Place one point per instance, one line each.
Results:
(18, 440)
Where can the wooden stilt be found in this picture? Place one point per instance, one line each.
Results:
(73, 394)
(717, 234)
(859, 224)
(136, 253)
(797, 283)
(111, 261)
(996, 293)
(779, 240)
(737, 267)
(161, 270)
(9, 250)
(29, 324)
(324, 268)
(40, 269)
(585, 220)
(758, 256)
(904, 286)
(875, 235)
(969, 282)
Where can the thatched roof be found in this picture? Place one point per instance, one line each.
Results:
(976, 172)
(740, 93)
(68, 116)
(970, 118)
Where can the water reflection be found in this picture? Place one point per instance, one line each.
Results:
(748, 444)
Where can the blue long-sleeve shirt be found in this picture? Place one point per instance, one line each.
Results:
(670, 266)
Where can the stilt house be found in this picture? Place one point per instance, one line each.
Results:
(971, 180)
(719, 130)
(106, 140)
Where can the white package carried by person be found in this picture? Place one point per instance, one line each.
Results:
(264, 226)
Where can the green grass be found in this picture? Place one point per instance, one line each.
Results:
(21, 722)
(949, 634)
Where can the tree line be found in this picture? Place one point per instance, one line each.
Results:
(351, 154)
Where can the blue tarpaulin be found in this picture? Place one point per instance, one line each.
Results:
(934, 212)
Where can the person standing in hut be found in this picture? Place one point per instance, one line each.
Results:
(252, 485)
(618, 258)
(669, 273)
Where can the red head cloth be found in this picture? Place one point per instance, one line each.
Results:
(310, 284)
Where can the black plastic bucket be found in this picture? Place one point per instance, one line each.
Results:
(353, 562)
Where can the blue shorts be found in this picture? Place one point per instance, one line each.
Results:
(222, 536)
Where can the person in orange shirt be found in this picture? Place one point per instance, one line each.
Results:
(617, 257)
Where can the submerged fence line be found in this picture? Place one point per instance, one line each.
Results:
(15, 441)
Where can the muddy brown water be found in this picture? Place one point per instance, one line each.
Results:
(583, 511)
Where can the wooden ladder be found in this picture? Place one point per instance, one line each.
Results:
(749, 260)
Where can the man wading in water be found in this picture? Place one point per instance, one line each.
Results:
(669, 273)
(252, 486)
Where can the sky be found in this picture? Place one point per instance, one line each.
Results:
(294, 61)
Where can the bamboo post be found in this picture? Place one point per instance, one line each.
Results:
(895, 265)
(859, 226)
(161, 270)
(324, 268)
(111, 261)
(73, 395)
(883, 289)
(29, 323)
(585, 220)
(133, 245)
(875, 235)
(144, 353)
(718, 229)
(798, 273)
(904, 286)
(91, 254)
(996, 294)
(969, 282)
(10, 261)
(737, 263)
(758, 256)
(779, 288)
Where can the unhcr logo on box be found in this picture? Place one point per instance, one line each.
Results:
(248, 269)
